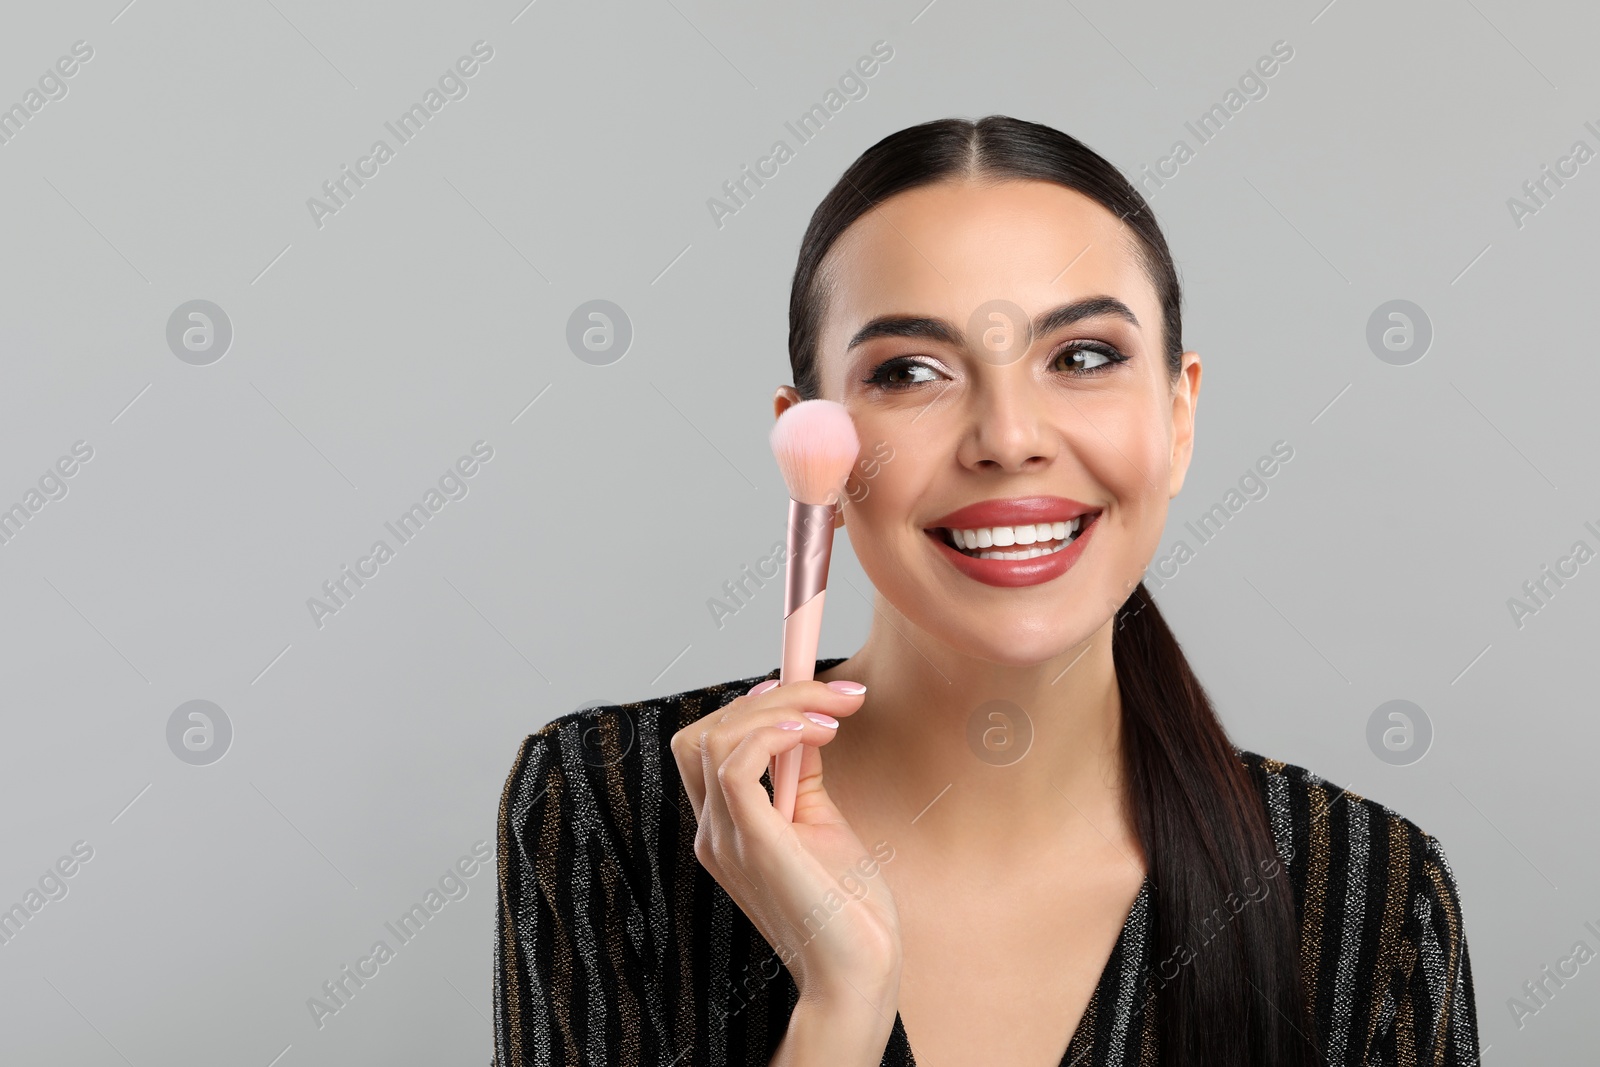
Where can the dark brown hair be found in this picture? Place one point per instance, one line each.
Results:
(1240, 999)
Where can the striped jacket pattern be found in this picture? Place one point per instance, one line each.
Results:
(614, 945)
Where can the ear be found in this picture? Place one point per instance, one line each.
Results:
(1185, 398)
(784, 398)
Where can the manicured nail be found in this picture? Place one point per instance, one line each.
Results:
(791, 725)
(823, 720)
(849, 689)
(761, 687)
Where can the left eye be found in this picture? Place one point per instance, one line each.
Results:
(1086, 359)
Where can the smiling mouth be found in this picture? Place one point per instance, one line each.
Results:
(1027, 541)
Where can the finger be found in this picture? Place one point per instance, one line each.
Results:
(833, 700)
(800, 705)
(736, 802)
(686, 754)
(808, 699)
(718, 733)
(688, 743)
(811, 801)
(722, 835)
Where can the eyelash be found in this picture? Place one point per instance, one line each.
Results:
(878, 378)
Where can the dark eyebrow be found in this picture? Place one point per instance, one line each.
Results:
(935, 329)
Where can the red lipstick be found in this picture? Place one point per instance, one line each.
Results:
(1016, 511)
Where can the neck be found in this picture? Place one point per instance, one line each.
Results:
(964, 755)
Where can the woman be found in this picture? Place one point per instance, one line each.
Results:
(1034, 843)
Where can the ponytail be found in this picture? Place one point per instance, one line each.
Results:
(1206, 838)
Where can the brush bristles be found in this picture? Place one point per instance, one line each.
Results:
(815, 444)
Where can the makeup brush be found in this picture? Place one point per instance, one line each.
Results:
(815, 444)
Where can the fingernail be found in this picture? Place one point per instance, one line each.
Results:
(849, 689)
(761, 687)
(791, 725)
(823, 720)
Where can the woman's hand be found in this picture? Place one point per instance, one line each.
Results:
(809, 886)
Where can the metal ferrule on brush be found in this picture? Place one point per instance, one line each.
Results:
(810, 547)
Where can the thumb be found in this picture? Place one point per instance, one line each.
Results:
(811, 801)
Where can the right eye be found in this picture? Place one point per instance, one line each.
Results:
(884, 376)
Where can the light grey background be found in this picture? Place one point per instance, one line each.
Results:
(431, 311)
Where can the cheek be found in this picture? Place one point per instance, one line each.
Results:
(1126, 449)
(887, 479)
(886, 497)
(1127, 452)
(883, 496)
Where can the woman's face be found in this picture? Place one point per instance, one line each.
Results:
(926, 341)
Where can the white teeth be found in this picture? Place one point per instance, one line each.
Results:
(1036, 539)
(1025, 553)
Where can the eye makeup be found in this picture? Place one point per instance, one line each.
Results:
(1078, 352)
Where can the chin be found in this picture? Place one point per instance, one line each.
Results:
(1014, 647)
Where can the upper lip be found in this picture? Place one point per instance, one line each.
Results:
(1015, 511)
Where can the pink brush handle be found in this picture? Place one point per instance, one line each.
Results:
(801, 631)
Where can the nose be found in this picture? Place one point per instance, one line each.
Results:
(1009, 426)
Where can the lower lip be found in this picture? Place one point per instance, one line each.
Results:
(1015, 572)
